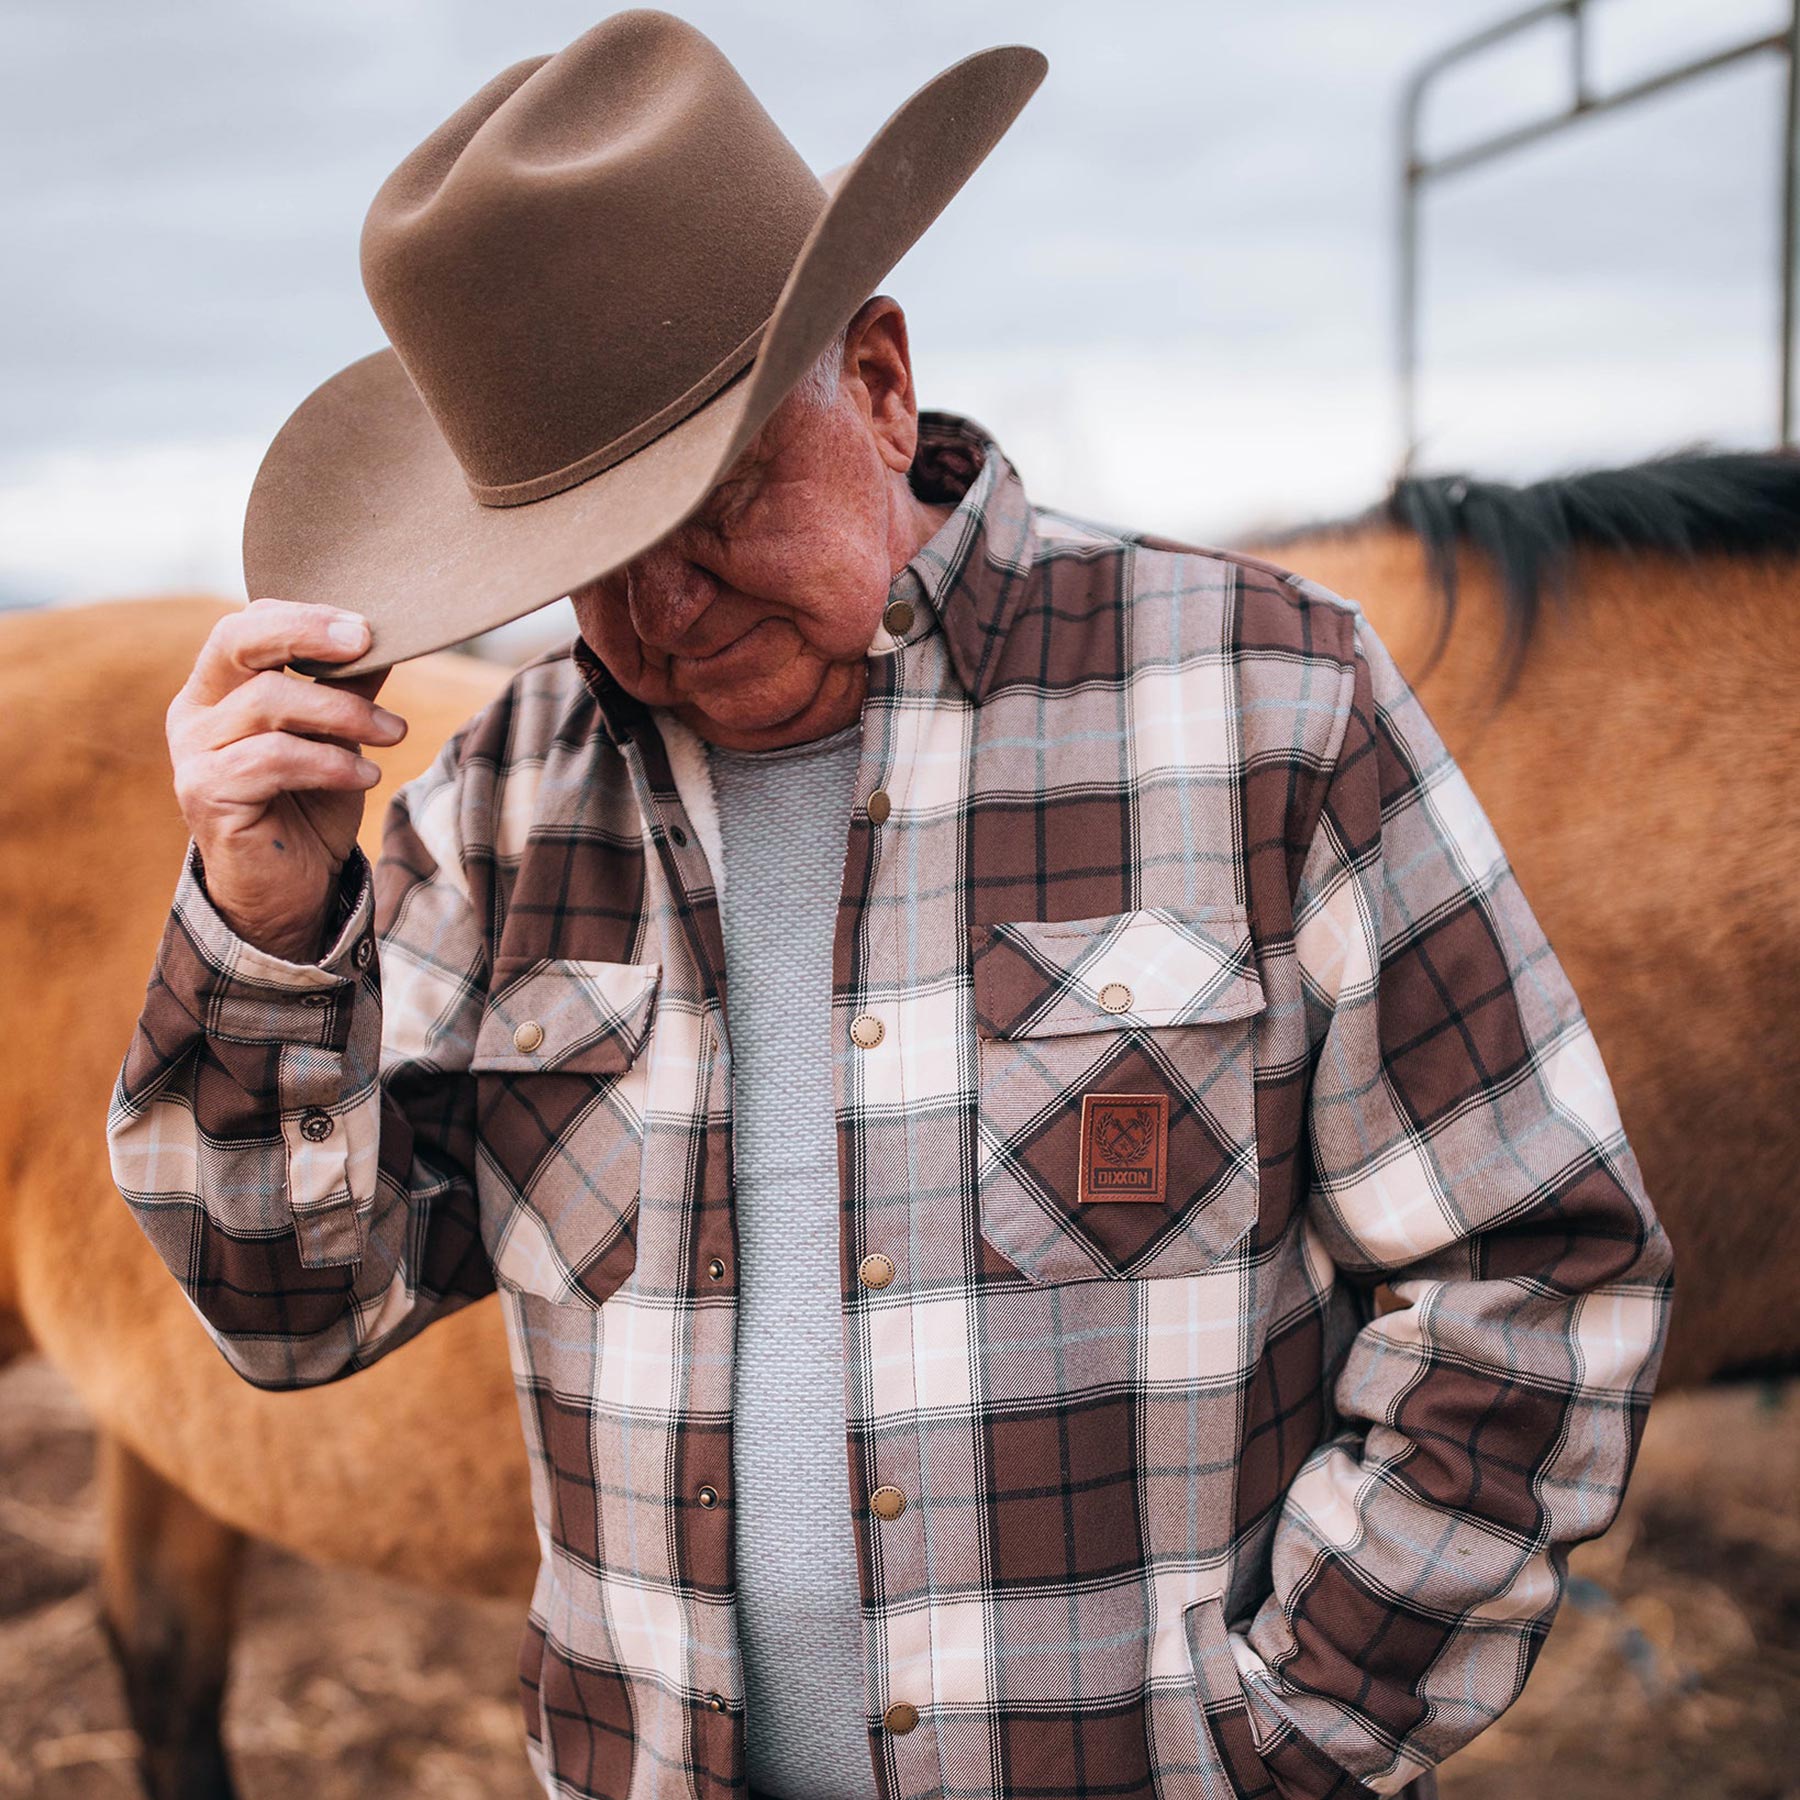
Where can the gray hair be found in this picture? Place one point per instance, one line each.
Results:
(818, 387)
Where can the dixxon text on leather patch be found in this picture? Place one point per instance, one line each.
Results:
(1124, 1147)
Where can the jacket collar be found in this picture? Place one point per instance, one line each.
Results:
(972, 571)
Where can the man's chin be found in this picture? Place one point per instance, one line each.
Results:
(763, 730)
(775, 720)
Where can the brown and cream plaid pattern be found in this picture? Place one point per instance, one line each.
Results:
(1185, 1513)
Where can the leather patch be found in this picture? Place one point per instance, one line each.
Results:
(1124, 1148)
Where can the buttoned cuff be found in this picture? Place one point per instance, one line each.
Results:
(243, 993)
(1298, 1767)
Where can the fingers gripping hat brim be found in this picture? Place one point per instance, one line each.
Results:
(360, 502)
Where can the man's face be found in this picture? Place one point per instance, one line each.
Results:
(752, 620)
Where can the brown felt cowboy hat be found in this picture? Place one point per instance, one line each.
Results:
(599, 278)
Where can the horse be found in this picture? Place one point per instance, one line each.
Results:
(1611, 656)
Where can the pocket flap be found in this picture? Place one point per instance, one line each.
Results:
(559, 1013)
(1157, 966)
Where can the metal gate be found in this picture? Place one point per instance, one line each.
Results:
(1418, 171)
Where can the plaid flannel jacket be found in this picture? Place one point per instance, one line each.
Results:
(1185, 1512)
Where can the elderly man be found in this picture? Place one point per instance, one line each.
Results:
(938, 1020)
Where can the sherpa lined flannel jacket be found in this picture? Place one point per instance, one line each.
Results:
(1182, 996)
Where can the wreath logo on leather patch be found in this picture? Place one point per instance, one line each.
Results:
(1124, 1147)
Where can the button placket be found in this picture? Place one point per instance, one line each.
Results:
(870, 1034)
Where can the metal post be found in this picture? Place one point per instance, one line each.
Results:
(1419, 170)
(1409, 295)
(1790, 226)
(1579, 62)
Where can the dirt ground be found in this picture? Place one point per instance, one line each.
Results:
(1673, 1672)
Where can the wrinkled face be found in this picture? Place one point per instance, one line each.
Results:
(752, 620)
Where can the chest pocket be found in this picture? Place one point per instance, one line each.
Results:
(1154, 1007)
(560, 1093)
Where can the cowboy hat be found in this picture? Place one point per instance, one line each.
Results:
(598, 278)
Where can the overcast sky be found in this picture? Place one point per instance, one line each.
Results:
(1169, 292)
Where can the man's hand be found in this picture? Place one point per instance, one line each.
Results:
(266, 767)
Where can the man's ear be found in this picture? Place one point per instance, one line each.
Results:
(878, 372)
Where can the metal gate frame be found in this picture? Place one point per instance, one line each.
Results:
(1418, 171)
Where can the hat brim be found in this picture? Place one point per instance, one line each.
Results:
(360, 502)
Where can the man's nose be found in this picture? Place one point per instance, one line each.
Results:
(666, 593)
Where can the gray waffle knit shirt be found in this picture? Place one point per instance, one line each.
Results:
(784, 820)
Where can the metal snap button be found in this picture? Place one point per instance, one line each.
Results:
(677, 837)
(878, 806)
(527, 1036)
(898, 618)
(716, 1270)
(715, 1702)
(316, 1126)
(875, 1270)
(887, 1502)
(866, 1031)
(901, 1717)
(1116, 997)
(364, 953)
(708, 1496)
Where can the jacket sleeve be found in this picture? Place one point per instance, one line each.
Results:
(1467, 1151)
(297, 1140)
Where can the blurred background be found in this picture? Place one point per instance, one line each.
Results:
(1172, 295)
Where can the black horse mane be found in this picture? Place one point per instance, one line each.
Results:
(1688, 503)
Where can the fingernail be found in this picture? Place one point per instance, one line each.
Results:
(389, 721)
(367, 770)
(347, 631)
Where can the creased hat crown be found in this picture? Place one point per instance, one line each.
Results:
(585, 252)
